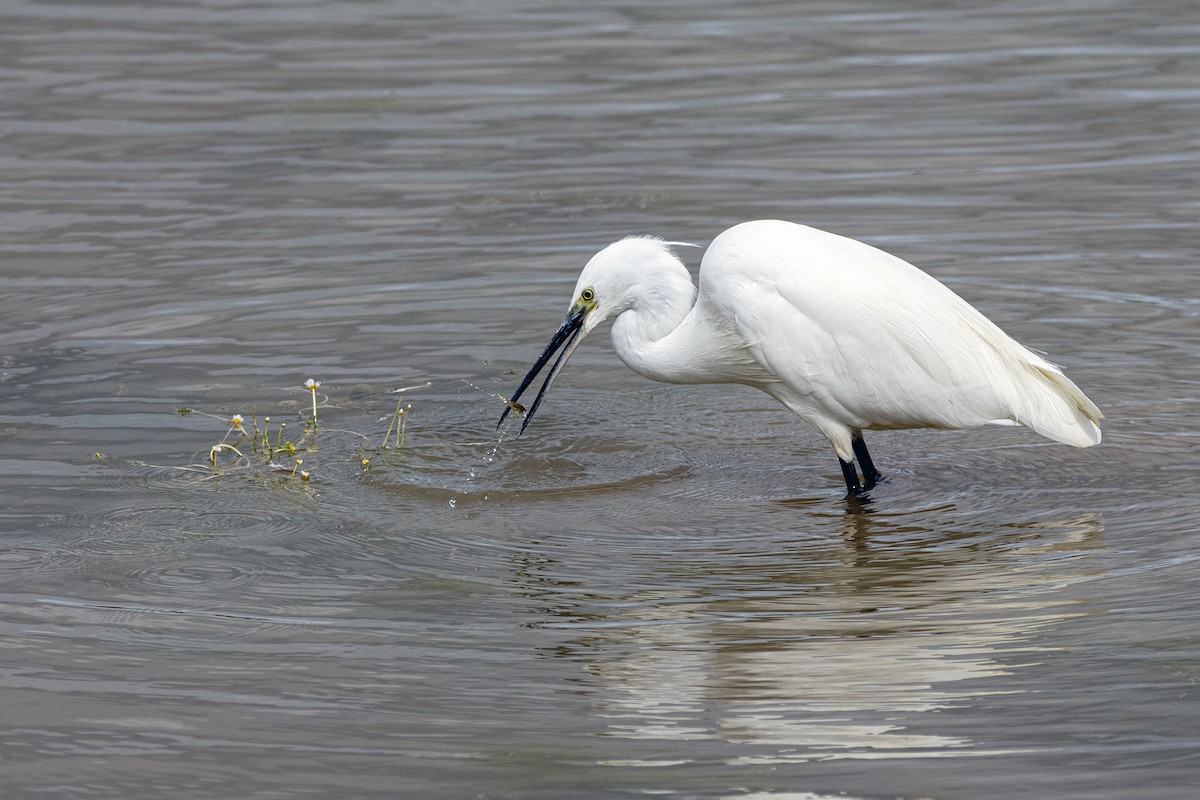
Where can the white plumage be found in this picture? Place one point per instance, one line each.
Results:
(847, 336)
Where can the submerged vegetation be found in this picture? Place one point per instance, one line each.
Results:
(289, 448)
(262, 446)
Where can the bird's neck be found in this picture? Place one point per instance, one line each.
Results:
(649, 336)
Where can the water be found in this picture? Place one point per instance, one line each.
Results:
(659, 590)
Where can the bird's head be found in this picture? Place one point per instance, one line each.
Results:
(617, 279)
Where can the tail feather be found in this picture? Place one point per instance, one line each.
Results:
(1061, 411)
(1039, 395)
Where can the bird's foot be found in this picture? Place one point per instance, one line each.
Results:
(858, 501)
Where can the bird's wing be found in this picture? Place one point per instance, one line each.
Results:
(857, 337)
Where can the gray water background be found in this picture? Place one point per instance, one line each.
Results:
(658, 591)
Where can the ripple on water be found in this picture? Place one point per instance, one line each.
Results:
(211, 575)
(547, 469)
(117, 533)
(155, 537)
(18, 559)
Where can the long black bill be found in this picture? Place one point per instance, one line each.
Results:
(568, 336)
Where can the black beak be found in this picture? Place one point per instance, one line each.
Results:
(568, 336)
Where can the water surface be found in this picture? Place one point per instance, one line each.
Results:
(658, 590)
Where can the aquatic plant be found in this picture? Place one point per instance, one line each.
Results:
(255, 445)
(312, 386)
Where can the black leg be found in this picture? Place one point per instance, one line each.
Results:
(851, 476)
(871, 475)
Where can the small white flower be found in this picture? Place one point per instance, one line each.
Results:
(312, 385)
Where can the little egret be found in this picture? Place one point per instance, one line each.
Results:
(848, 337)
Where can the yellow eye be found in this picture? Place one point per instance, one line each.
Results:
(587, 295)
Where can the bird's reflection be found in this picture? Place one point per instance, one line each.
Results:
(834, 641)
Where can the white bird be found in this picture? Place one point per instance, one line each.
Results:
(848, 337)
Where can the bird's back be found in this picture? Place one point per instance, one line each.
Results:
(856, 338)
